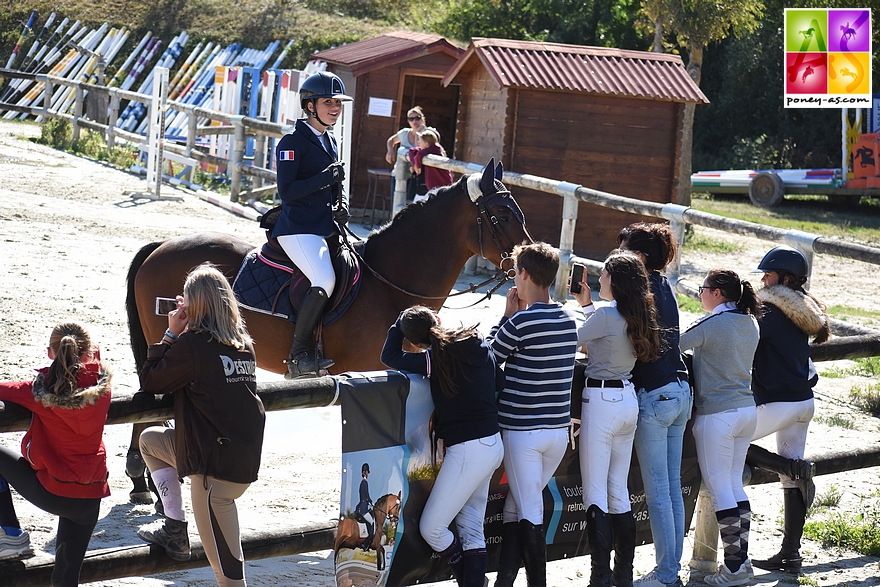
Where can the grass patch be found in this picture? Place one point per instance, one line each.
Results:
(425, 472)
(698, 243)
(844, 312)
(827, 499)
(835, 373)
(815, 214)
(58, 133)
(859, 532)
(864, 367)
(686, 304)
(836, 420)
(866, 398)
(806, 580)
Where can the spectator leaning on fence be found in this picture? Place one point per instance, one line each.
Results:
(724, 344)
(783, 377)
(664, 407)
(536, 340)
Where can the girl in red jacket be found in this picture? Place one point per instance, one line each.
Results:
(64, 467)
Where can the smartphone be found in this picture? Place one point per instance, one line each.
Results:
(165, 306)
(577, 276)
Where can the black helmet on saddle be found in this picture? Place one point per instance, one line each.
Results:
(784, 259)
(321, 85)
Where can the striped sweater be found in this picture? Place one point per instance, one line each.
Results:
(537, 347)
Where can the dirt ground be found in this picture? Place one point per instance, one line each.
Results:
(68, 233)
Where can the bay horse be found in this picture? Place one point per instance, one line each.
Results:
(413, 259)
(386, 508)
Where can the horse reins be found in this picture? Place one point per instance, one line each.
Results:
(501, 275)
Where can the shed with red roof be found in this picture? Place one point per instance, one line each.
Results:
(607, 119)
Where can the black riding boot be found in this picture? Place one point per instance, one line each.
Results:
(788, 558)
(534, 549)
(624, 541)
(599, 537)
(799, 470)
(301, 363)
(475, 561)
(510, 559)
(454, 557)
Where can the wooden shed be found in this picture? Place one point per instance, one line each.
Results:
(386, 76)
(603, 118)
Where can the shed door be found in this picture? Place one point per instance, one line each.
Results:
(439, 104)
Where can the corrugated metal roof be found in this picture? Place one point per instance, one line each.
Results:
(575, 68)
(388, 49)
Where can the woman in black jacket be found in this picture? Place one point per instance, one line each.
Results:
(461, 367)
(206, 359)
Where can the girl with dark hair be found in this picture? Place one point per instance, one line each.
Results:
(664, 407)
(724, 346)
(461, 368)
(64, 470)
(616, 335)
(783, 380)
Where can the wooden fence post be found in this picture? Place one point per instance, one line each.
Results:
(240, 141)
(705, 555)
(77, 110)
(566, 237)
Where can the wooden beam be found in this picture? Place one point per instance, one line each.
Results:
(146, 407)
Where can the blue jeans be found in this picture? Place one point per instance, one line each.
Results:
(658, 442)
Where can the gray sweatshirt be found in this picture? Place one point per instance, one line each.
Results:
(724, 346)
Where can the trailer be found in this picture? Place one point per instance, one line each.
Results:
(859, 177)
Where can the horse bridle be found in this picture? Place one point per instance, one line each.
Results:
(388, 515)
(501, 197)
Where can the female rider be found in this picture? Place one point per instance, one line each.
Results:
(783, 377)
(310, 179)
(461, 368)
(664, 407)
(724, 346)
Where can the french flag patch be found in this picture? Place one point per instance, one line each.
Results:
(285, 155)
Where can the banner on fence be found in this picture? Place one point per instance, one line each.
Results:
(386, 460)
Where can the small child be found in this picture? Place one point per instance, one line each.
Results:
(429, 144)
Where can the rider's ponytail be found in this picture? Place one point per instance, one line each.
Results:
(70, 342)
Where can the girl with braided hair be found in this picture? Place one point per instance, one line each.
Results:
(461, 368)
(64, 467)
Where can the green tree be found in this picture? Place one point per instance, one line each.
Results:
(695, 24)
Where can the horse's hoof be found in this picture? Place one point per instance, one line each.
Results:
(134, 464)
(140, 497)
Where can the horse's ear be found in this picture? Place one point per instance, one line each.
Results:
(499, 171)
(487, 182)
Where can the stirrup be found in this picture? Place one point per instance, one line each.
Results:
(304, 366)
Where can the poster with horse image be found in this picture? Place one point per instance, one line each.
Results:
(386, 429)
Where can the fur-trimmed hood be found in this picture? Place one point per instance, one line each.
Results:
(83, 395)
(804, 310)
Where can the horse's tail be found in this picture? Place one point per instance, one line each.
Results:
(139, 344)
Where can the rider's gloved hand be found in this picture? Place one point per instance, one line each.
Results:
(336, 171)
(341, 214)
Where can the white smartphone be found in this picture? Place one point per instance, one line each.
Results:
(165, 306)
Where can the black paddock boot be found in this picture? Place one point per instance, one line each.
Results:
(534, 550)
(599, 537)
(172, 535)
(475, 562)
(788, 558)
(301, 363)
(510, 559)
(624, 541)
(799, 470)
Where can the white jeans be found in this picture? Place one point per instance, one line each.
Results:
(722, 443)
(460, 493)
(530, 460)
(608, 426)
(312, 255)
(789, 420)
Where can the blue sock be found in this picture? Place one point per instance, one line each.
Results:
(11, 531)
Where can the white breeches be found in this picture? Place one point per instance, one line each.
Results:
(722, 441)
(530, 459)
(312, 255)
(789, 420)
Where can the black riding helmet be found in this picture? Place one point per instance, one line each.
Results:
(784, 259)
(365, 468)
(321, 85)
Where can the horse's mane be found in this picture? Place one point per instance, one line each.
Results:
(415, 209)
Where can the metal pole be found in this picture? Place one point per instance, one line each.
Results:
(236, 162)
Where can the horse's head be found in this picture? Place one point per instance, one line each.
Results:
(500, 222)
